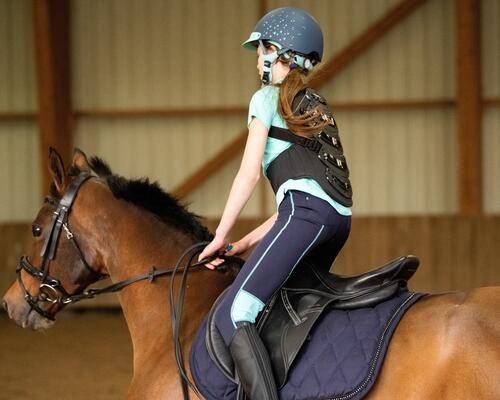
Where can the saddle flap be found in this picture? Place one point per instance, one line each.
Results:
(284, 336)
(217, 349)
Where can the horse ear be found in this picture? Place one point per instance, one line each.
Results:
(80, 161)
(56, 169)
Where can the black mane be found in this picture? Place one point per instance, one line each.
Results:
(151, 197)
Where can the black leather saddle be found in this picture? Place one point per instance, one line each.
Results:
(288, 317)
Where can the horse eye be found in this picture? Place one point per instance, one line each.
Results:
(36, 230)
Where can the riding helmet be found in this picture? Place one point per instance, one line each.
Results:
(291, 29)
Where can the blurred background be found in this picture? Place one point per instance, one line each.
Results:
(160, 88)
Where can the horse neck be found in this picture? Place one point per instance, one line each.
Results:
(141, 241)
(145, 242)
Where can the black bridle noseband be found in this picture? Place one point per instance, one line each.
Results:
(52, 291)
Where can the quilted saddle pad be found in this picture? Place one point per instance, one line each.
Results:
(340, 360)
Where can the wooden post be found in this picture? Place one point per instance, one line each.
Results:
(469, 105)
(51, 29)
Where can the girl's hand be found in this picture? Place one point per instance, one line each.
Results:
(217, 245)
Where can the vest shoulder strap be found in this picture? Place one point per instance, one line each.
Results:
(285, 134)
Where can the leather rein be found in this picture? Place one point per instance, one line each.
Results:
(52, 291)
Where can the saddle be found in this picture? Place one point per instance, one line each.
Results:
(288, 317)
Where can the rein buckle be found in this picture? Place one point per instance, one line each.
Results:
(151, 274)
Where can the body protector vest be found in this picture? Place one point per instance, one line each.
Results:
(320, 157)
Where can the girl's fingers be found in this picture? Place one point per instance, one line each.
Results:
(205, 253)
(214, 263)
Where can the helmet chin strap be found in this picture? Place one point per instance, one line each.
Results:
(269, 59)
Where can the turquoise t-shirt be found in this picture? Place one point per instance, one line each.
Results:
(264, 106)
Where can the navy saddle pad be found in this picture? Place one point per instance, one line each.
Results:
(340, 360)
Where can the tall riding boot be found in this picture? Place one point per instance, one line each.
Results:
(252, 363)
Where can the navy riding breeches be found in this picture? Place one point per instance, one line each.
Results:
(306, 225)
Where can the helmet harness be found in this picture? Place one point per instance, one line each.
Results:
(297, 60)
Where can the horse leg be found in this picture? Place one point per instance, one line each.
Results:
(446, 347)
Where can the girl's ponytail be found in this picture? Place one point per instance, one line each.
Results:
(303, 125)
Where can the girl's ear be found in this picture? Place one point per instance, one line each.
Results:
(56, 169)
(80, 161)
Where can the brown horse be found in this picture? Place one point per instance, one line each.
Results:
(447, 346)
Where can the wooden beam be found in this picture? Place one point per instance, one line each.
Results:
(361, 43)
(17, 116)
(469, 105)
(216, 112)
(51, 29)
(220, 111)
(393, 105)
(345, 57)
(213, 165)
(492, 102)
(161, 112)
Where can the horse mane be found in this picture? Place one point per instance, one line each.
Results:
(150, 197)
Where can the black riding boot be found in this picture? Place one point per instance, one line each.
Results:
(252, 363)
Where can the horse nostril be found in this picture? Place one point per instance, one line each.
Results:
(5, 306)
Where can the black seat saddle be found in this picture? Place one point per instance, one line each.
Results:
(358, 291)
(288, 317)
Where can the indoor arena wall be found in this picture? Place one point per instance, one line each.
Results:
(127, 56)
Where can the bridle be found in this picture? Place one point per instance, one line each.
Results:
(51, 290)
(54, 292)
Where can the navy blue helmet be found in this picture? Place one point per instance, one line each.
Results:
(290, 29)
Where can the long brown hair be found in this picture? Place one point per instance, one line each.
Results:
(306, 124)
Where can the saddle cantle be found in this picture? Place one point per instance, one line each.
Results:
(288, 317)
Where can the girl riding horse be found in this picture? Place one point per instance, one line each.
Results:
(314, 214)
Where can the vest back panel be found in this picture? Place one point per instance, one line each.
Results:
(320, 157)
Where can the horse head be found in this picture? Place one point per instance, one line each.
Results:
(64, 257)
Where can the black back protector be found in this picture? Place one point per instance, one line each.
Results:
(320, 157)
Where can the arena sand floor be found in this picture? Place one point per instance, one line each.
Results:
(85, 355)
